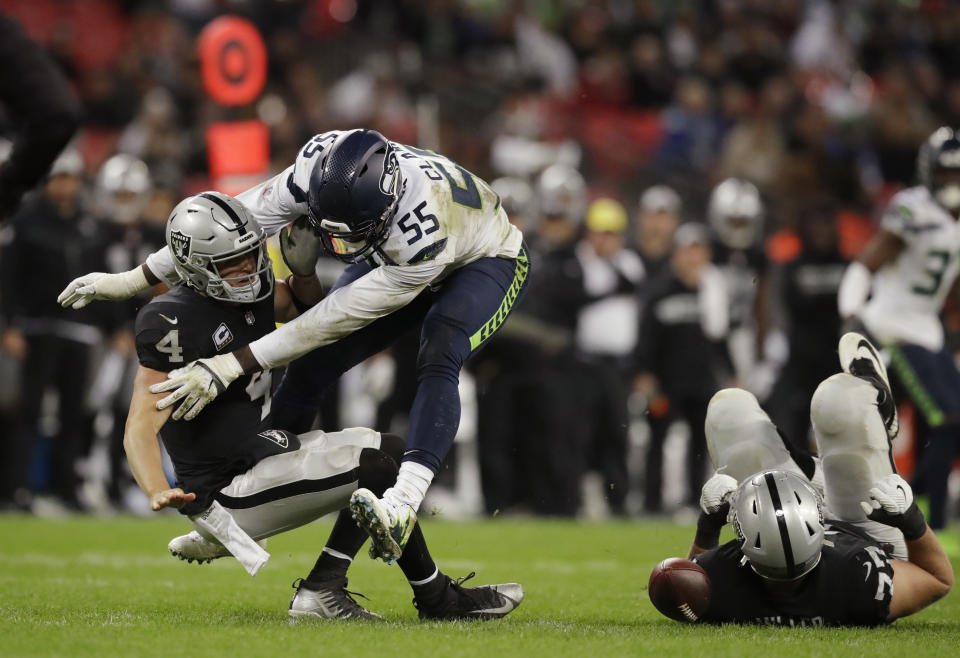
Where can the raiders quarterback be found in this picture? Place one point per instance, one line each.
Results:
(428, 246)
(871, 561)
(239, 480)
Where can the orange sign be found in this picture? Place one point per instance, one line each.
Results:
(233, 60)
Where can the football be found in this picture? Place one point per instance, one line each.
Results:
(680, 589)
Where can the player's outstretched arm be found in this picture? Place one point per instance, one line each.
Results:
(294, 295)
(142, 445)
(927, 575)
(100, 285)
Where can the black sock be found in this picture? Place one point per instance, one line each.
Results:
(417, 564)
(346, 538)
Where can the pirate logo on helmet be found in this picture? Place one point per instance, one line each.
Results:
(180, 244)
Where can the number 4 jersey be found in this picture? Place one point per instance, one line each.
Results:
(908, 293)
(178, 327)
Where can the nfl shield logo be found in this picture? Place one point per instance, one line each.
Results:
(180, 244)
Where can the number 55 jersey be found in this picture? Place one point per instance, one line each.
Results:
(908, 293)
(180, 326)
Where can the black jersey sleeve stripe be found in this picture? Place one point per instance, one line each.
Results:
(231, 213)
(288, 490)
(782, 524)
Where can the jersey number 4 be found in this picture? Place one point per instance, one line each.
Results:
(170, 345)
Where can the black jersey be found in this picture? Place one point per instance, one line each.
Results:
(742, 269)
(224, 440)
(852, 586)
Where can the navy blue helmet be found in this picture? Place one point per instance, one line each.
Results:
(353, 195)
(941, 153)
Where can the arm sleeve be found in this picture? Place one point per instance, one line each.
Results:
(374, 295)
(35, 92)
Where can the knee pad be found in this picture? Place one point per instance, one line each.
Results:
(852, 442)
(741, 438)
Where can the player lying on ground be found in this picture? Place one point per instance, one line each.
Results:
(238, 480)
(429, 247)
(804, 570)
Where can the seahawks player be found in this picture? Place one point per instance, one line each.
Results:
(237, 479)
(907, 271)
(804, 570)
(428, 246)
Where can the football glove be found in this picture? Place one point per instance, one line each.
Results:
(100, 285)
(300, 247)
(716, 492)
(197, 384)
(891, 503)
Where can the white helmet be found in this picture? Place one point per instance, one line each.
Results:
(735, 211)
(516, 194)
(778, 519)
(123, 188)
(562, 191)
(209, 229)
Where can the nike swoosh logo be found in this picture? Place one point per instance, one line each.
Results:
(505, 608)
(173, 320)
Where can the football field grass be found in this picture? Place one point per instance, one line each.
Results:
(108, 588)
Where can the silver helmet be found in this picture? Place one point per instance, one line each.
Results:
(561, 191)
(778, 520)
(516, 194)
(207, 231)
(735, 211)
(123, 188)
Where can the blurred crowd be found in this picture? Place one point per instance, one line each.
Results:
(691, 176)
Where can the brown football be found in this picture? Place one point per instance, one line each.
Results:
(680, 589)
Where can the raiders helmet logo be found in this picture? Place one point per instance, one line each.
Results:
(180, 244)
(277, 437)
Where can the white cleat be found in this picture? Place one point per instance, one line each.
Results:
(330, 600)
(389, 527)
(194, 546)
(858, 357)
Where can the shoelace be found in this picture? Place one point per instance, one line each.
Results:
(347, 593)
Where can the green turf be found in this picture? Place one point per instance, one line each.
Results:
(107, 588)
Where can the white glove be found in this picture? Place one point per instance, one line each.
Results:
(99, 285)
(198, 384)
(300, 248)
(716, 493)
(892, 494)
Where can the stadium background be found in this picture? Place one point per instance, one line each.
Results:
(821, 104)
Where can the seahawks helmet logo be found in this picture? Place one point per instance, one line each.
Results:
(180, 244)
(388, 179)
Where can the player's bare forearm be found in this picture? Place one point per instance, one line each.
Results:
(294, 295)
(882, 248)
(928, 554)
(140, 439)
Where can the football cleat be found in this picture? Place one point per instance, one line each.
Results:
(329, 600)
(459, 602)
(194, 546)
(860, 358)
(389, 527)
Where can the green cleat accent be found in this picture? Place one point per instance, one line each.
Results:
(389, 527)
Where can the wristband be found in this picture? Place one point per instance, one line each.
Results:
(913, 525)
(709, 527)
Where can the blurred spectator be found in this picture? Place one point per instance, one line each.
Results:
(681, 356)
(606, 338)
(53, 240)
(807, 290)
(658, 215)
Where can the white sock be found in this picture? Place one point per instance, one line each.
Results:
(412, 484)
(418, 583)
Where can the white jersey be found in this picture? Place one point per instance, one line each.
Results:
(908, 292)
(446, 218)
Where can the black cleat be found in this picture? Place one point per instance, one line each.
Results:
(454, 601)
